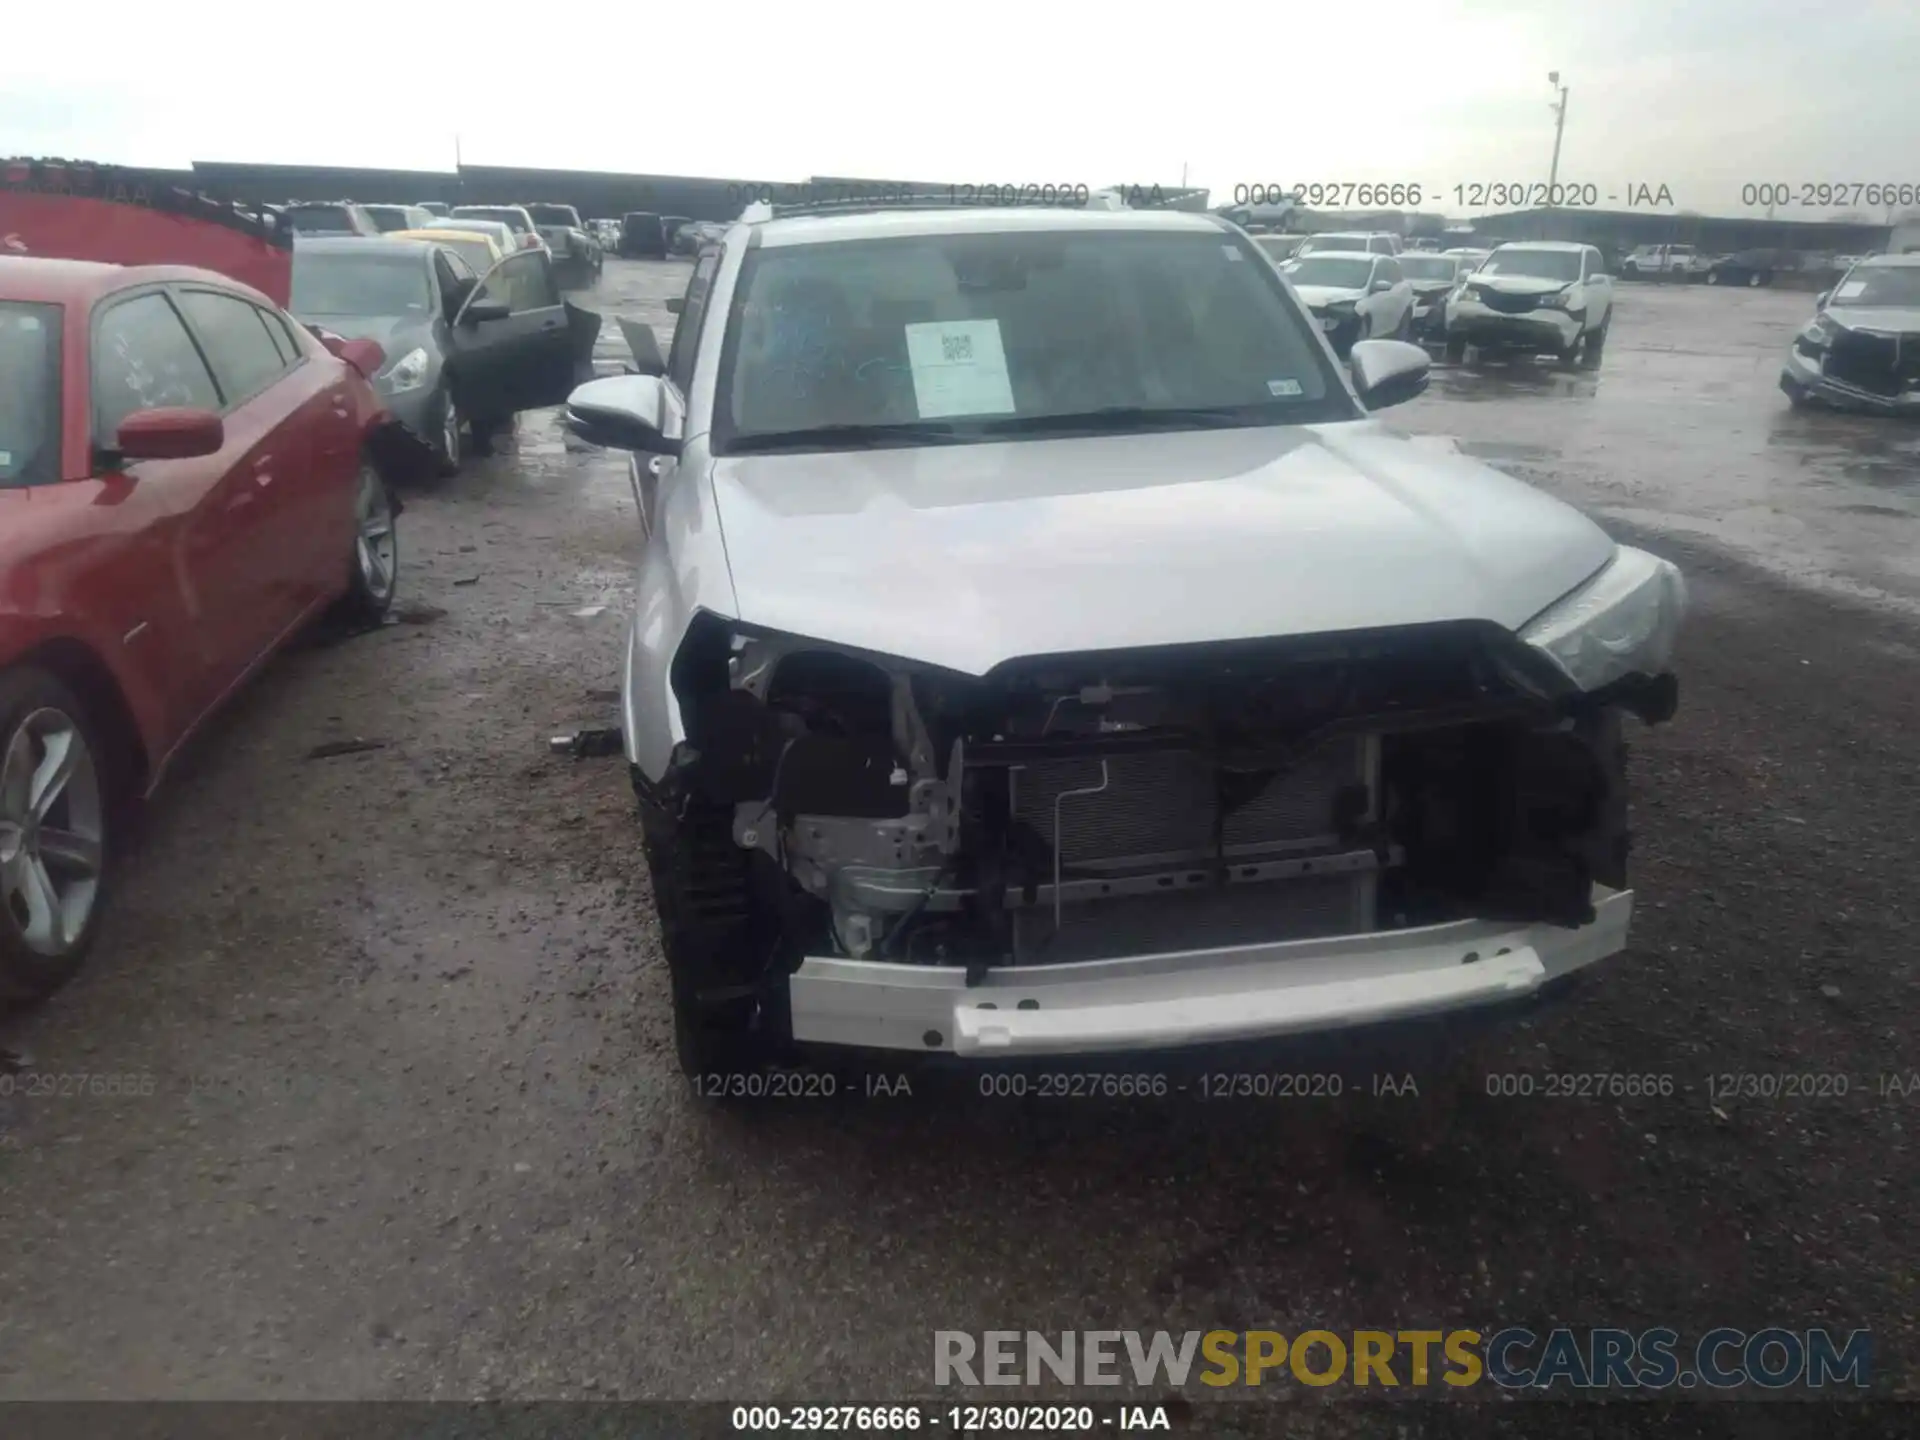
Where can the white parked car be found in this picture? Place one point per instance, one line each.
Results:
(1535, 297)
(1665, 262)
(1041, 650)
(1354, 296)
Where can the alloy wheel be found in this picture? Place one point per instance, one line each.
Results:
(450, 432)
(373, 546)
(51, 831)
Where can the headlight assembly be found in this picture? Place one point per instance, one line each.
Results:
(1818, 334)
(409, 372)
(1621, 622)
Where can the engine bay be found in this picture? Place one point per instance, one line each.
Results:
(1078, 807)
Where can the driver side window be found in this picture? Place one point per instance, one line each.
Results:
(522, 282)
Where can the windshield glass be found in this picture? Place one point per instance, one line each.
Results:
(389, 217)
(1315, 243)
(1428, 267)
(372, 282)
(979, 336)
(509, 218)
(1280, 247)
(1348, 272)
(1879, 285)
(30, 398)
(554, 215)
(318, 220)
(1542, 264)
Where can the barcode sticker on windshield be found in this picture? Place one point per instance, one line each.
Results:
(1283, 387)
(959, 368)
(1850, 289)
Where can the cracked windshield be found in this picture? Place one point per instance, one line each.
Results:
(755, 740)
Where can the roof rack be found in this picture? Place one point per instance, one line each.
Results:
(954, 197)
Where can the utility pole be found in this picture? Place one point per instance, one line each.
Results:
(1559, 128)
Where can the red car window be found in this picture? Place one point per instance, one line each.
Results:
(30, 396)
(143, 358)
(234, 334)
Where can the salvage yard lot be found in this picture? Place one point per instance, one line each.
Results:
(406, 1120)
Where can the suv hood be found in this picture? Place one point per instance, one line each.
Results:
(1316, 296)
(964, 556)
(1887, 319)
(1534, 285)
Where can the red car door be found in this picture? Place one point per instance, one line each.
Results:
(198, 522)
(275, 402)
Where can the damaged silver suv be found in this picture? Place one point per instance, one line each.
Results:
(1042, 651)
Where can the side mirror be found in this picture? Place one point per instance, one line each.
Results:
(622, 412)
(170, 433)
(1379, 287)
(481, 311)
(1388, 372)
(1820, 300)
(647, 359)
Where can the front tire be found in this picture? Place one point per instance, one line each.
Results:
(449, 448)
(54, 851)
(373, 566)
(713, 940)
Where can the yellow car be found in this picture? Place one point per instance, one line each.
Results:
(479, 250)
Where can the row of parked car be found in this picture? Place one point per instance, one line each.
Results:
(194, 466)
(558, 229)
(1861, 350)
(1538, 297)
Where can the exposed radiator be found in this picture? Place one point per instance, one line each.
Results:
(1162, 806)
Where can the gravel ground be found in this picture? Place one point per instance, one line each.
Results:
(415, 1129)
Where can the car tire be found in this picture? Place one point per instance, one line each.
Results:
(50, 912)
(1595, 347)
(449, 446)
(373, 564)
(1755, 280)
(708, 929)
(1713, 277)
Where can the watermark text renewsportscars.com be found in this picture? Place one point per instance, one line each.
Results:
(1771, 1358)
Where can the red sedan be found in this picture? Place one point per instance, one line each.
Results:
(187, 477)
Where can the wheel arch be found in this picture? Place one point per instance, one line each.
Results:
(80, 668)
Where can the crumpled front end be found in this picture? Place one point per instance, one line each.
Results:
(1873, 371)
(1142, 849)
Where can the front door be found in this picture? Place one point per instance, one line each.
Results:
(516, 344)
(201, 518)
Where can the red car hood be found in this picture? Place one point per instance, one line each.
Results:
(68, 211)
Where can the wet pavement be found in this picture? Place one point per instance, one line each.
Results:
(398, 1114)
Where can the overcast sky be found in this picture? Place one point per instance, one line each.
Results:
(1703, 96)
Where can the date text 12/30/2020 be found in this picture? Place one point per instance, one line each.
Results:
(1472, 195)
(1078, 194)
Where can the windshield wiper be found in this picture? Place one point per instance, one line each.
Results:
(1122, 418)
(847, 437)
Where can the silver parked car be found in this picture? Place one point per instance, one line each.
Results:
(1861, 351)
(1041, 650)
